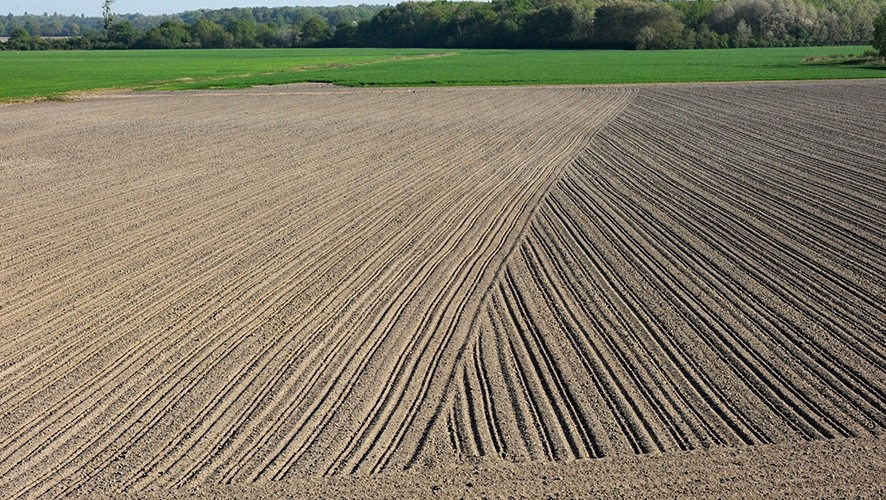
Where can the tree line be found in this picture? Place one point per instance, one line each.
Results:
(612, 24)
(216, 28)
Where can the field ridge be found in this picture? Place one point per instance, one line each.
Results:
(637, 282)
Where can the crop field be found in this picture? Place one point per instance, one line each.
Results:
(461, 291)
(33, 75)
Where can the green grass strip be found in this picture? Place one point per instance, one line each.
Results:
(32, 75)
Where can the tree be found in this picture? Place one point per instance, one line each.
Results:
(743, 34)
(20, 39)
(473, 24)
(879, 41)
(107, 14)
(169, 35)
(315, 30)
(20, 34)
(243, 32)
(210, 34)
(121, 34)
(706, 38)
(347, 34)
(554, 25)
(268, 36)
(638, 25)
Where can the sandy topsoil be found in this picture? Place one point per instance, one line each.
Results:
(315, 291)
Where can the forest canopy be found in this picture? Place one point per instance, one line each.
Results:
(620, 24)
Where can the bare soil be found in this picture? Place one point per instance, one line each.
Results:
(315, 291)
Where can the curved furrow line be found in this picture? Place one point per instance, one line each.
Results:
(522, 414)
(487, 405)
(458, 313)
(452, 430)
(572, 421)
(744, 361)
(818, 359)
(549, 448)
(665, 288)
(715, 398)
(331, 222)
(482, 421)
(650, 362)
(665, 253)
(429, 373)
(315, 308)
(384, 400)
(261, 363)
(811, 357)
(487, 402)
(560, 305)
(485, 273)
(195, 379)
(698, 313)
(617, 287)
(864, 351)
(477, 450)
(837, 318)
(386, 325)
(440, 306)
(736, 222)
(701, 111)
(722, 232)
(126, 361)
(546, 439)
(613, 105)
(642, 436)
(634, 306)
(635, 427)
(368, 140)
(368, 282)
(764, 204)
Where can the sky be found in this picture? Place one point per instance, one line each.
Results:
(153, 7)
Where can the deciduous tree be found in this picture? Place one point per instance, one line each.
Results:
(107, 14)
(879, 41)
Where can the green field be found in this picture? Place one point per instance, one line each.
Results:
(28, 75)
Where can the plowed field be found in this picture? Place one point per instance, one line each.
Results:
(339, 291)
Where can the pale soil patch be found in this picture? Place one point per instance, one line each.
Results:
(820, 469)
(317, 290)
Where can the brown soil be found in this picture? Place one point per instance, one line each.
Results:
(309, 290)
